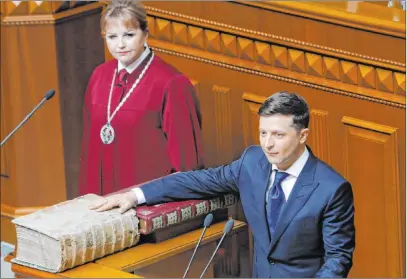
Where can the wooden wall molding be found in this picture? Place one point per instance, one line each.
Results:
(5, 169)
(223, 120)
(221, 107)
(155, 13)
(11, 8)
(319, 135)
(12, 212)
(372, 164)
(369, 125)
(336, 14)
(253, 98)
(4, 162)
(45, 12)
(301, 80)
(251, 104)
(283, 59)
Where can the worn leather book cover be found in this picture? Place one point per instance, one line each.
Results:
(68, 234)
(153, 218)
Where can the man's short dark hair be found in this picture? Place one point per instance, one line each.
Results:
(287, 103)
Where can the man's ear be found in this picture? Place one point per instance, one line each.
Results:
(304, 135)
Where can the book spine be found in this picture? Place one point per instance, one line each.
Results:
(194, 208)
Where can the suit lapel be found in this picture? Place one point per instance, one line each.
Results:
(262, 177)
(302, 190)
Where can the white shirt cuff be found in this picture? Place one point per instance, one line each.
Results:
(140, 195)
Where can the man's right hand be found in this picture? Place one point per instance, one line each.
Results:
(124, 201)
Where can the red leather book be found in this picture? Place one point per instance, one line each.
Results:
(165, 215)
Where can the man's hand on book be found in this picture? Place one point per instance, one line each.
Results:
(124, 201)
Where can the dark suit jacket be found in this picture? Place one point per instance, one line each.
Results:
(315, 235)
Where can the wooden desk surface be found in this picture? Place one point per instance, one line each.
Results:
(90, 270)
(149, 253)
(119, 264)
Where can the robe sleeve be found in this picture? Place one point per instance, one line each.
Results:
(182, 125)
(84, 188)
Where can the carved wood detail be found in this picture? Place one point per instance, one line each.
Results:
(243, 50)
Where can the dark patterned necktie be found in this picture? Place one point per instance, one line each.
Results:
(275, 201)
(122, 76)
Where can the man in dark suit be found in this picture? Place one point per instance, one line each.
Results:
(300, 209)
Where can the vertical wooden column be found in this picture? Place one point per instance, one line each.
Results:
(44, 45)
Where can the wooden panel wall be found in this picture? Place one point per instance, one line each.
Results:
(42, 47)
(355, 88)
(376, 179)
(346, 59)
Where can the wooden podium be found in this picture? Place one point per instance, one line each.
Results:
(167, 259)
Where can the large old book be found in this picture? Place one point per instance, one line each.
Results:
(68, 234)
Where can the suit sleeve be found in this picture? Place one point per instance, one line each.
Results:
(199, 184)
(338, 232)
(182, 125)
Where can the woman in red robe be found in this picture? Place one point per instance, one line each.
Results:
(141, 116)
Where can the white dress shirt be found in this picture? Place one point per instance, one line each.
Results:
(293, 172)
(287, 184)
(136, 63)
(140, 195)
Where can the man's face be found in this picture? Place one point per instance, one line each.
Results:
(281, 142)
(125, 42)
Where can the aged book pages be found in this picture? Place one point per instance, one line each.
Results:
(68, 234)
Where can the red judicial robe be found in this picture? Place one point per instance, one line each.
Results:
(157, 130)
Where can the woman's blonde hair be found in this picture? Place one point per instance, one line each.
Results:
(132, 12)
